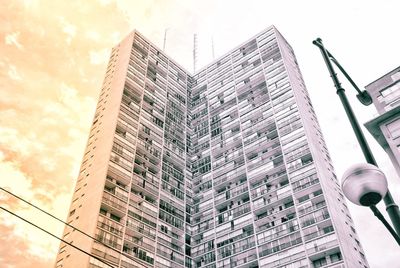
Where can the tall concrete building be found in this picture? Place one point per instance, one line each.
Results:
(385, 93)
(223, 168)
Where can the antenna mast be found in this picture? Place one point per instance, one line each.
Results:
(194, 52)
(165, 38)
(212, 47)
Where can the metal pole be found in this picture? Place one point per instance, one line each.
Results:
(379, 215)
(391, 207)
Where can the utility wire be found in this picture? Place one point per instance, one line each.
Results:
(54, 217)
(47, 232)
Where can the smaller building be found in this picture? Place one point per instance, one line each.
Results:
(385, 128)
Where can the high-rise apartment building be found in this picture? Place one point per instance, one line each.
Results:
(223, 168)
(385, 128)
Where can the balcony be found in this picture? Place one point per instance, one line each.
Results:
(313, 218)
(115, 243)
(138, 253)
(117, 192)
(318, 248)
(274, 218)
(229, 194)
(287, 258)
(173, 256)
(269, 186)
(318, 233)
(141, 185)
(261, 175)
(150, 150)
(236, 247)
(143, 207)
(233, 213)
(113, 202)
(138, 241)
(110, 226)
(305, 183)
(145, 163)
(245, 259)
(307, 208)
(280, 244)
(277, 231)
(263, 203)
(225, 178)
(138, 229)
(119, 173)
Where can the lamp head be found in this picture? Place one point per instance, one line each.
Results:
(364, 98)
(364, 184)
(318, 42)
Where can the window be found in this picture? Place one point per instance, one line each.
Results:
(387, 91)
(394, 128)
(117, 148)
(72, 212)
(303, 198)
(319, 263)
(115, 218)
(164, 229)
(336, 257)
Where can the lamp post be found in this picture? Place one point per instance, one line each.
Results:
(363, 96)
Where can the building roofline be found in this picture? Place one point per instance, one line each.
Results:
(135, 31)
(373, 125)
(398, 67)
(234, 48)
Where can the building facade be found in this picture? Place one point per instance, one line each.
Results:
(223, 168)
(385, 128)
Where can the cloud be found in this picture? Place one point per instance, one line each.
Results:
(47, 102)
(16, 253)
(12, 39)
(68, 28)
(50, 87)
(99, 57)
(13, 74)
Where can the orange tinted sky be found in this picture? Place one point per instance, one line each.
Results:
(53, 59)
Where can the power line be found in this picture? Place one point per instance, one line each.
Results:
(47, 232)
(54, 217)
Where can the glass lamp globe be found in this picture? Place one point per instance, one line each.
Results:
(364, 184)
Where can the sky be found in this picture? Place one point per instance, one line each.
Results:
(53, 56)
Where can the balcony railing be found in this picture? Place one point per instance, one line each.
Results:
(313, 220)
(281, 193)
(230, 194)
(118, 193)
(318, 233)
(319, 205)
(141, 228)
(114, 202)
(110, 225)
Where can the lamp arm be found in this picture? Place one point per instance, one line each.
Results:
(363, 96)
(391, 207)
(336, 62)
(379, 215)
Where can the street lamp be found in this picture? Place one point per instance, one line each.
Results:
(363, 184)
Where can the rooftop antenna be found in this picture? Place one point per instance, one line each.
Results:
(194, 52)
(165, 38)
(212, 47)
